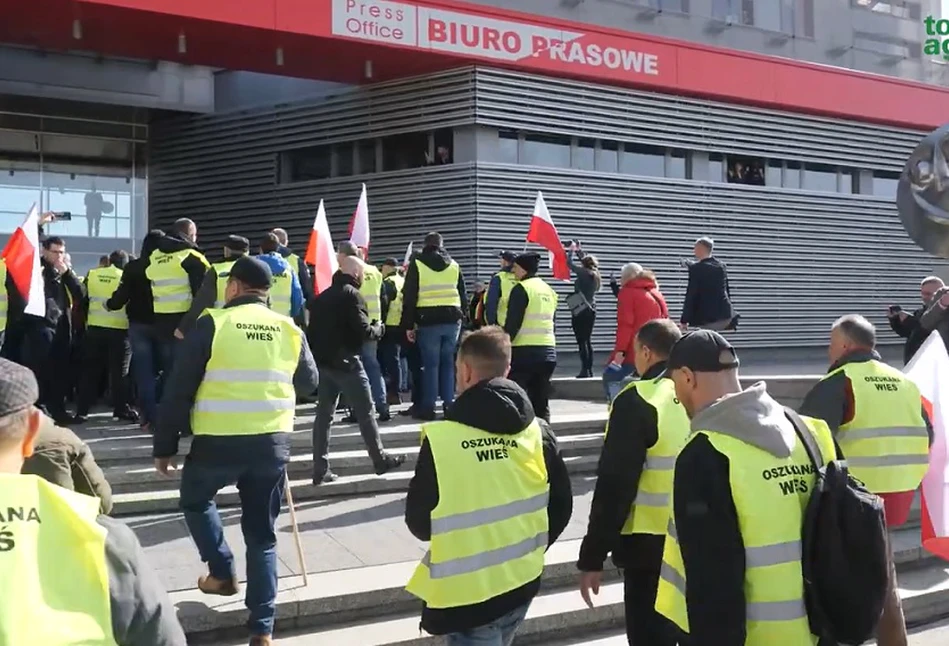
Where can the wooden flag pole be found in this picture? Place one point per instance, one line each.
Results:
(296, 529)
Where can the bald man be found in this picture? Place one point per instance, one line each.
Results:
(297, 263)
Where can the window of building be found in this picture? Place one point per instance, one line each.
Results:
(849, 182)
(716, 167)
(746, 170)
(767, 14)
(583, 155)
(638, 159)
(404, 151)
(792, 175)
(507, 147)
(440, 147)
(366, 149)
(806, 11)
(898, 8)
(607, 157)
(306, 164)
(675, 164)
(344, 159)
(773, 172)
(884, 183)
(546, 150)
(820, 177)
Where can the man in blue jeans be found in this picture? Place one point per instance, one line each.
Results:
(433, 305)
(233, 387)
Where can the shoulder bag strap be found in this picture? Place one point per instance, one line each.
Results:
(805, 435)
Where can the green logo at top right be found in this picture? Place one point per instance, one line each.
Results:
(937, 31)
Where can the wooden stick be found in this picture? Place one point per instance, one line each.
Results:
(296, 530)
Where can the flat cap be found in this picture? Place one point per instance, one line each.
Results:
(237, 243)
(18, 388)
(252, 272)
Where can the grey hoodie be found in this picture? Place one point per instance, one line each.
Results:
(752, 416)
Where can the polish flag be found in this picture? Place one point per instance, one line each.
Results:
(408, 256)
(359, 225)
(929, 369)
(320, 252)
(543, 232)
(22, 256)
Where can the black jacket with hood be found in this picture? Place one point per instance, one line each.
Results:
(436, 259)
(516, 308)
(58, 289)
(195, 266)
(340, 324)
(134, 292)
(497, 406)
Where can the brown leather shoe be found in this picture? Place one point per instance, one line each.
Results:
(261, 640)
(221, 587)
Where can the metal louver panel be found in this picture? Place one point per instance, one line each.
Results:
(573, 108)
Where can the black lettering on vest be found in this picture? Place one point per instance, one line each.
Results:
(893, 388)
(14, 513)
(33, 516)
(259, 336)
(6, 540)
(793, 486)
(492, 454)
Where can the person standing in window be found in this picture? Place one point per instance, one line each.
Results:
(95, 207)
(583, 304)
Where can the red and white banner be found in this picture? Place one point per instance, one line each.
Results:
(544, 233)
(408, 256)
(359, 225)
(320, 252)
(929, 369)
(22, 257)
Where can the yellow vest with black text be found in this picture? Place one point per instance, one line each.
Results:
(171, 290)
(370, 289)
(247, 387)
(649, 513)
(101, 283)
(394, 315)
(770, 495)
(489, 528)
(222, 270)
(281, 291)
(886, 444)
(52, 558)
(538, 326)
(438, 288)
(3, 295)
(507, 280)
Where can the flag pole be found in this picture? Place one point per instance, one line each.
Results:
(296, 529)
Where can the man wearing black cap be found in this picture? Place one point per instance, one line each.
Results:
(499, 290)
(530, 324)
(390, 347)
(212, 289)
(731, 571)
(78, 576)
(234, 387)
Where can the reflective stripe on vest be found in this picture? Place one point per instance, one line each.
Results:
(47, 531)
(171, 289)
(486, 541)
(649, 513)
(770, 512)
(438, 288)
(886, 443)
(223, 271)
(394, 315)
(280, 293)
(507, 281)
(101, 283)
(370, 289)
(248, 382)
(3, 295)
(538, 326)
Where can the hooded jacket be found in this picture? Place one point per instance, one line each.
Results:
(705, 515)
(339, 323)
(278, 266)
(436, 259)
(497, 406)
(638, 302)
(134, 292)
(195, 267)
(58, 289)
(516, 308)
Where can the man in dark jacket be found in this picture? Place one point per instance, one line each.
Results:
(431, 306)
(909, 326)
(629, 516)
(936, 316)
(339, 326)
(134, 293)
(500, 409)
(708, 296)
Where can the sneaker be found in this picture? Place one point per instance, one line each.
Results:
(393, 398)
(385, 416)
(220, 587)
(326, 478)
(390, 462)
(261, 640)
(408, 412)
(349, 419)
(128, 415)
(425, 416)
(79, 419)
(65, 419)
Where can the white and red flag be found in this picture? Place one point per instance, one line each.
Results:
(320, 252)
(359, 225)
(408, 256)
(22, 257)
(929, 369)
(543, 232)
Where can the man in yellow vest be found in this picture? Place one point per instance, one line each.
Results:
(233, 387)
(499, 290)
(286, 295)
(72, 576)
(630, 511)
(878, 419)
(390, 348)
(433, 306)
(296, 262)
(487, 543)
(731, 566)
(105, 344)
(530, 324)
(212, 289)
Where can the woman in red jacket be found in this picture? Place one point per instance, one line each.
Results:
(638, 301)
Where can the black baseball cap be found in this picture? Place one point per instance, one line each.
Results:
(252, 272)
(390, 262)
(702, 351)
(18, 388)
(509, 256)
(237, 243)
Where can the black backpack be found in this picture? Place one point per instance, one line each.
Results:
(845, 553)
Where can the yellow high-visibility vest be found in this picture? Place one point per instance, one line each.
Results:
(3, 295)
(171, 290)
(370, 288)
(438, 288)
(538, 326)
(486, 540)
(394, 315)
(649, 513)
(101, 283)
(886, 443)
(248, 382)
(222, 270)
(52, 556)
(507, 281)
(294, 261)
(280, 293)
(770, 495)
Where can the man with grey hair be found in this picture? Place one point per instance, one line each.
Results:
(878, 419)
(909, 326)
(708, 297)
(936, 316)
(297, 263)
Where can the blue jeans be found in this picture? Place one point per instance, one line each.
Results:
(151, 361)
(437, 344)
(499, 632)
(260, 485)
(615, 378)
(370, 361)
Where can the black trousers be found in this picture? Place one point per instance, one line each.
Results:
(105, 349)
(45, 351)
(534, 378)
(582, 324)
(645, 626)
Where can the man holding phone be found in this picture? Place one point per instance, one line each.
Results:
(909, 326)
